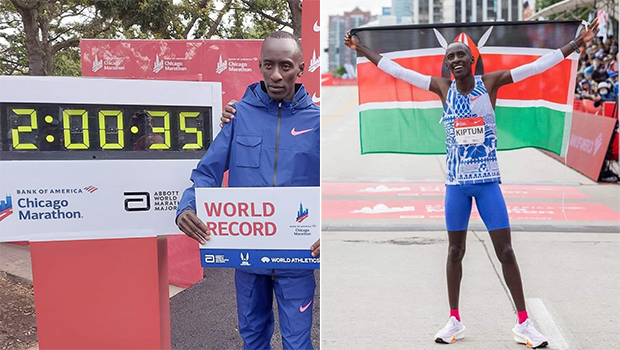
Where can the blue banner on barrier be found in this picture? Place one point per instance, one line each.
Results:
(259, 258)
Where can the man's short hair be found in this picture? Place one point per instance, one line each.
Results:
(458, 42)
(280, 34)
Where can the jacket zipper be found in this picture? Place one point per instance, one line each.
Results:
(275, 162)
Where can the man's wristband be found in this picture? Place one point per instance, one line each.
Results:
(575, 47)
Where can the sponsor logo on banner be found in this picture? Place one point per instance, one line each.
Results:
(158, 64)
(289, 260)
(215, 259)
(97, 64)
(109, 63)
(302, 214)
(315, 99)
(316, 27)
(265, 259)
(137, 201)
(163, 200)
(221, 66)
(585, 144)
(315, 62)
(36, 204)
(301, 230)
(238, 65)
(6, 207)
(169, 64)
(245, 260)
(90, 189)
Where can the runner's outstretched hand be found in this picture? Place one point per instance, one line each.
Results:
(189, 223)
(352, 41)
(590, 31)
(228, 113)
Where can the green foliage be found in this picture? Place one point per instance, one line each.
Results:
(575, 14)
(340, 71)
(14, 57)
(67, 62)
(61, 23)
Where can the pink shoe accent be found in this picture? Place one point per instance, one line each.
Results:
(455, 313)
(522, 316)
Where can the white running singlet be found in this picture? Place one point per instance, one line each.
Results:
(471, 137)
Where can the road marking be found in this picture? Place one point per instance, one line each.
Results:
(546, 325)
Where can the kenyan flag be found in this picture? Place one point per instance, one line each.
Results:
(396, 117)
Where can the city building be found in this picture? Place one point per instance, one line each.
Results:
(338, 26)
(458, 11)
(403, 10)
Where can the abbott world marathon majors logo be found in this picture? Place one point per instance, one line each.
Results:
(162, 200)
(43, 203)
(238, 65)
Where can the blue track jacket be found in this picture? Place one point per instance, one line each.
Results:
(267, 143)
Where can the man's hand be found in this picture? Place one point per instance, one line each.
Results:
(192, 226)
(316, 248)
(590, 31)
(352, 41)
(228, 113)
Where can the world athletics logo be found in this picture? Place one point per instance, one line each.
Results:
(302, 214)
(6, 207)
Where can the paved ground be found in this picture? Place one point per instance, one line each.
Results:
(384, 246)
(204, 316)
(392, 294)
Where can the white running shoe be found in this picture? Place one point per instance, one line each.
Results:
(525, 333)
(453, 330)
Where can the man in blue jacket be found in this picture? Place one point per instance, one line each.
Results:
(272, 141)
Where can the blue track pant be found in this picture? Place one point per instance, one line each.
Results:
(255, 309)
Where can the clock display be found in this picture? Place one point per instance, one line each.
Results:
(70, 128)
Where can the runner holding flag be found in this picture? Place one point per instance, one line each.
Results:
(472, 170)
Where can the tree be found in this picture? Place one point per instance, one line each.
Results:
(41, 37)
(42, 29)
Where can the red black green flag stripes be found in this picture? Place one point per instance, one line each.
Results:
(396, 117)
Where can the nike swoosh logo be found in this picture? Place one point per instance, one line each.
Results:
(475, 98)
(315, 99)
(316, 27)
(303, 308)
(296, 133)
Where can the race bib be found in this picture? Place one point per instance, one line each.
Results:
(469, 131)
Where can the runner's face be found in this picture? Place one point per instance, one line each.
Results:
(458, 59)
(281, 64)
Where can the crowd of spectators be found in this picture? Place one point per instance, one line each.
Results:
(597, 77)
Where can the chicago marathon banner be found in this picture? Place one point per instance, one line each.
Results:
(234, 63)
(260, 227)
(396, 117)
(97, 199)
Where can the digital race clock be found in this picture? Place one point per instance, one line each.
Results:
(88, 158)
(84, 118)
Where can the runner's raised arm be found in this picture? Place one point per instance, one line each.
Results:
(437, 85)
(497, 79)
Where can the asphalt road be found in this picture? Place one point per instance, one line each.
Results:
(391, 290)
(204, 316)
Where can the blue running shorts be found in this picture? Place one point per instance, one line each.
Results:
(489, 201)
